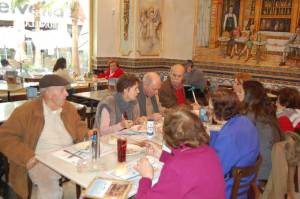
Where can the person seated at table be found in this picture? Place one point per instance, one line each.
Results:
(9, 74)
(42, 125)
(194, 76)
(113, 71)
(120, 110)
(5, 67)
(259, 109)
(249, 43)
(148, 97)
(237, 142)
(287, 114)
(191, 170)
(60, 69)
(171, 93)
(294, 39)
(239, 79)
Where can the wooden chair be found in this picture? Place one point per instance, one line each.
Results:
(241, 172)
(4, 167)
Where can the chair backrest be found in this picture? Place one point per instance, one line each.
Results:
(241, 172)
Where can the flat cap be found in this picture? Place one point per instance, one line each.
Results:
(52, 80)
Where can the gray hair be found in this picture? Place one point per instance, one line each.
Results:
(176, 66)
(150, 77)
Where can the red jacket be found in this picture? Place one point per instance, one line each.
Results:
(119, 72)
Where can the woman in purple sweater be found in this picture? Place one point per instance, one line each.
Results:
(192, 170)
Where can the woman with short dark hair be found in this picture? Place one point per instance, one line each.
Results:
(191, 170)
(237, 143)
(60, 68)
(259, 109)
(121, 109)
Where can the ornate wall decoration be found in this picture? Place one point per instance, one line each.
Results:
(126, 27)
(149, 21)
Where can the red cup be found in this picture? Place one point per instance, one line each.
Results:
(122, 143)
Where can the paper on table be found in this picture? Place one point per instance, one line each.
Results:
(66, 157)
(74, 153)
(129, 173)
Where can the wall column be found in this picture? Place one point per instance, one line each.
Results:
(216, 16)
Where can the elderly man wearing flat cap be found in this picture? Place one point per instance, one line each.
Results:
(42, 125)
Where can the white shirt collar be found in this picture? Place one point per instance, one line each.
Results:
(48, 111)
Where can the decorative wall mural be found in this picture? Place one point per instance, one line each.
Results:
(126, 28)
(149, 29)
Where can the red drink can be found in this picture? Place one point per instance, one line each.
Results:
(122, 143)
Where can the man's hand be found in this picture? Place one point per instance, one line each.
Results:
(90, 132)
(195, 106)
(31, 163)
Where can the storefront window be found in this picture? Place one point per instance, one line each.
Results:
(35, 33)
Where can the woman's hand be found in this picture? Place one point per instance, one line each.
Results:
(126, 123)
(153, 149)
(144, 167)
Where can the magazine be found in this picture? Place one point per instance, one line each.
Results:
(104, 188)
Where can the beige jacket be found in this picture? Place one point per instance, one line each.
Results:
(284, 160)
(20, 133)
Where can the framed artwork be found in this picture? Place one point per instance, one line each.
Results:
(149, 35)
(126, 27)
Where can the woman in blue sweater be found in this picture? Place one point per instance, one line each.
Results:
(237, 143)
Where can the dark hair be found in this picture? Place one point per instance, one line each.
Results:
(257, 102)
(126, 81)
(4, 62)
(61, 63)
(288, 97)
(189, 63)
(182, 127)
(225, 103)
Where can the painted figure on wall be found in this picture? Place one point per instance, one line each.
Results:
(230, 21)
(204, 23)
(150, 23)
(251, 37)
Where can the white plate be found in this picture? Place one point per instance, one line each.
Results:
(133, 149)
(110, 139)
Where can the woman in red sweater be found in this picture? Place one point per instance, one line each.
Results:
(113, 71)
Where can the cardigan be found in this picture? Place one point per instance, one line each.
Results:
(187, 173)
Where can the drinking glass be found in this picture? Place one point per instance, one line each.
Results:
(122, 145)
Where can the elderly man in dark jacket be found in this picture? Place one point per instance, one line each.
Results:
(171, 93)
